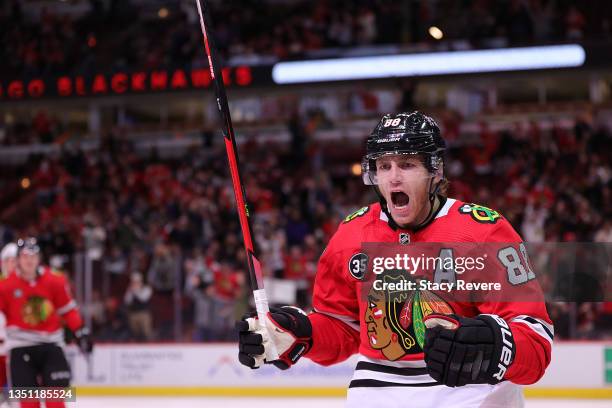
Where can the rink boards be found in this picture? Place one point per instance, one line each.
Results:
(578, 370)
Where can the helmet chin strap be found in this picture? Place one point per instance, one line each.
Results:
(432, 194)
(383, 206)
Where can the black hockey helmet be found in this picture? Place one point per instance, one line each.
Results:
(28, 245)
(404, 133)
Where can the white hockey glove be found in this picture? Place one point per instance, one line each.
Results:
(290, 330)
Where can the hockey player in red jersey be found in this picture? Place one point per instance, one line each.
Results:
(37, 302)
(415, 349)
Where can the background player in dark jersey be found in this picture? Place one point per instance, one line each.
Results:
(440, 352)
(37, 302)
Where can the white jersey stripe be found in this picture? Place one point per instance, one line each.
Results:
(397, 364)
(447, 205)
(443, 211)
(392, 378)
(537, 325)
(18, 337)
(67, 307)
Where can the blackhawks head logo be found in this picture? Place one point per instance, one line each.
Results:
(480, 213)
(394, 319)
(36, 310)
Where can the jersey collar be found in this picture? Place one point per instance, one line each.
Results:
(442, 211)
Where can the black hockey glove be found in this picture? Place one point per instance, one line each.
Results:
(462, 350)
(290, 330)
(83, 340)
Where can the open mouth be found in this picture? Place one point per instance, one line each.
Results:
(399, 199)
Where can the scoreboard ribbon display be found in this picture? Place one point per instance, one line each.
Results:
(122, 83)
(395, 65)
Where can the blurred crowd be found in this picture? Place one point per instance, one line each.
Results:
(125, 34)
(164, 237)
(43, 128)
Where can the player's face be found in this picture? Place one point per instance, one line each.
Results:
(404, 183)
(8, 265)
(27, 264)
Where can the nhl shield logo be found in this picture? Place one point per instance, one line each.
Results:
(404, 238)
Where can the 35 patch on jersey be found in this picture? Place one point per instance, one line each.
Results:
(480, 213)
(359, 213)
(358, 265)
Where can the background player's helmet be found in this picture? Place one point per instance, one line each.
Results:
(404, 133)
(28, 245)
(9, 251)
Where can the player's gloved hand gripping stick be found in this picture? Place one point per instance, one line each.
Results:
(291, 332)
(255, 272)
(83, 340)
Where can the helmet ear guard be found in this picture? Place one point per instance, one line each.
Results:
(436, 165)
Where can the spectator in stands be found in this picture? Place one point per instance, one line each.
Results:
(43, 126)
(163, 273)
(604, 234)
(296, 228)
(519, 23)
(96, 309)
(534, 219)
(115, 263)
(137, 299)
(116, 327)
(271, 241)
(182, 234)
(164, 276)
(199, 286)
(366, 26)
(574, 23)
(94, 236)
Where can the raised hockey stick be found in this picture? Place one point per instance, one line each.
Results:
(255, 272)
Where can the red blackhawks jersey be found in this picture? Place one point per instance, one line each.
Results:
(352, 318)
(36, 310)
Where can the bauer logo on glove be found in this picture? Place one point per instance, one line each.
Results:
(461, 350)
